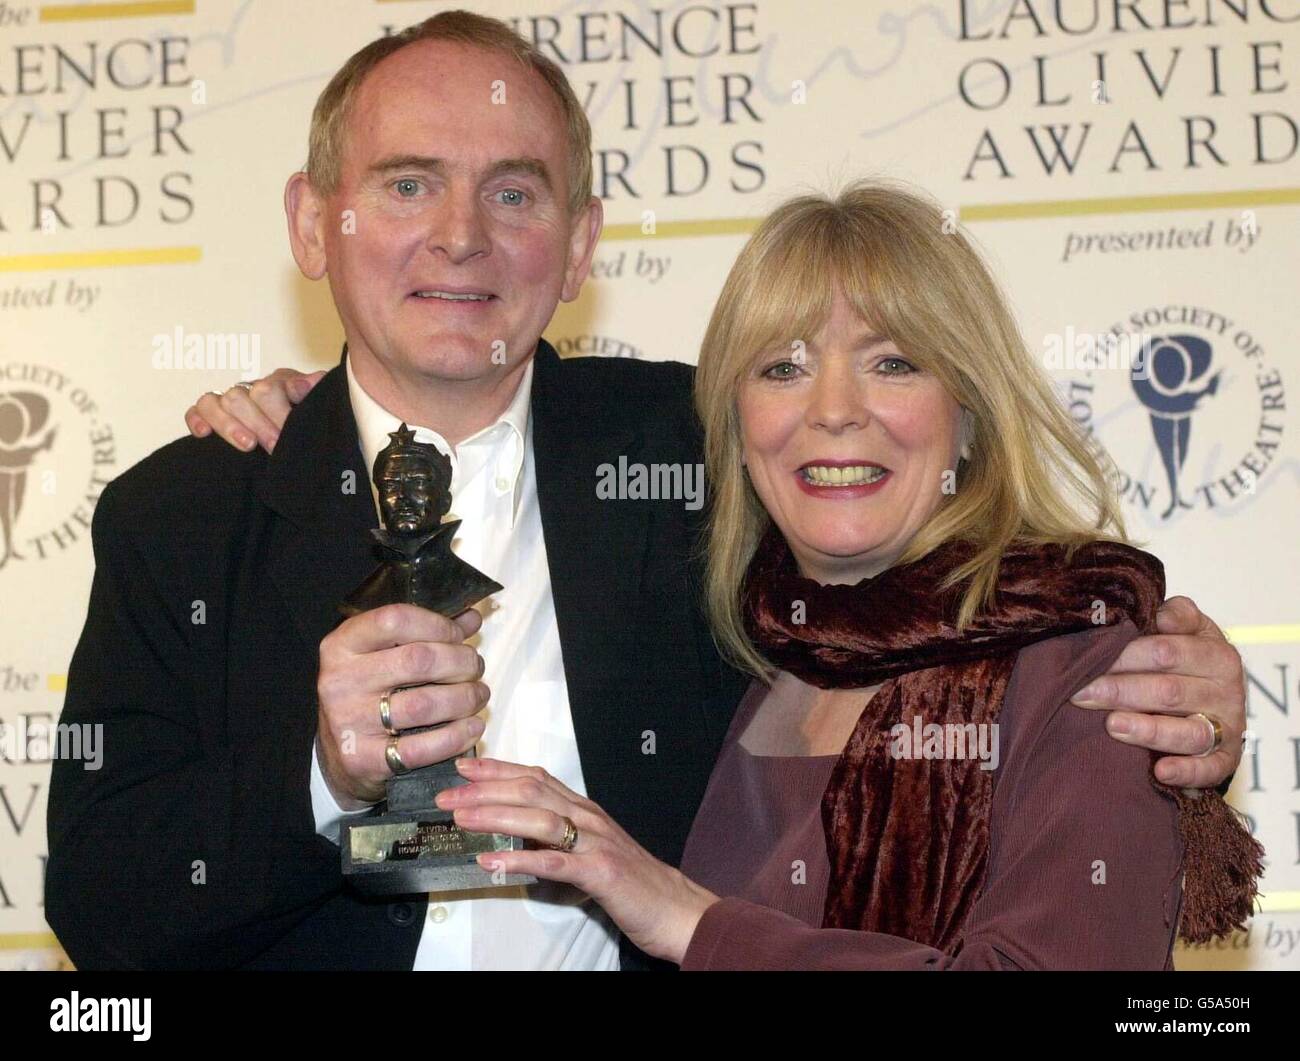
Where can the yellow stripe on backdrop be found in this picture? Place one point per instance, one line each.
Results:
(28, 940)
(106, 259)
(92, 12)
(1130, 204)
(1276, 634)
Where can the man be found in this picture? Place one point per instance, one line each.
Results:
(242, 725)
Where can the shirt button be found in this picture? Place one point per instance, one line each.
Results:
(401, 914)
(503, 485)
(437, 914)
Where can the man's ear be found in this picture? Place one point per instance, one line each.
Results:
(305, 211)
(582, 246)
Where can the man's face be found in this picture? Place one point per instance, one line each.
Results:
(454, 195)
(409, 490)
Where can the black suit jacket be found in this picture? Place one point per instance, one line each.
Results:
(217, 575)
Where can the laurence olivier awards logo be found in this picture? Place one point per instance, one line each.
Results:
(1194, 422)
(56, 456)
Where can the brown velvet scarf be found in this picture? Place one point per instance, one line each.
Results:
(909, 847)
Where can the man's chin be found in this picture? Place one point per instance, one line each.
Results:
(456, 357)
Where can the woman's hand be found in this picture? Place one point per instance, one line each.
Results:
(246, 415)
(654, 904)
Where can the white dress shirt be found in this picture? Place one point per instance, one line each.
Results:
(494, 493)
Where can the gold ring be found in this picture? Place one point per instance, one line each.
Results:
(570, 840)
(385, 712)
(1216, 734)
(394, 758)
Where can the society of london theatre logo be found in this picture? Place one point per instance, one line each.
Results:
(56, 456)
(1194, 421)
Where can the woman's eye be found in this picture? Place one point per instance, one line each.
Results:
(781, 370)
(896, 366)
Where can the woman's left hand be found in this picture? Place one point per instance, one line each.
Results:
(655, 905)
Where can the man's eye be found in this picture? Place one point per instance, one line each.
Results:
(514, 196)
(406, 187)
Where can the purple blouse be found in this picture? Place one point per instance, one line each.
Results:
(1084, 866)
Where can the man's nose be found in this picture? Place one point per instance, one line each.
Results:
(458, 228)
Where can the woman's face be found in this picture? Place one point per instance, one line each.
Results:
(847, 444)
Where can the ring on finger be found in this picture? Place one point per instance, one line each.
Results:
(386, 712)
(394, 758)
(570, 840)
(1216, 733)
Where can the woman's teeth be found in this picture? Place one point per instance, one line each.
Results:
(852, 475)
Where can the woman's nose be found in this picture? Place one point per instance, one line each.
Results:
(838, 401)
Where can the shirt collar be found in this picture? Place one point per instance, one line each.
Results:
(503, 440)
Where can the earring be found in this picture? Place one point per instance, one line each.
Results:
(967, 429)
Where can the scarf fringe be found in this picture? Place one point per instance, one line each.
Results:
(1222, 864)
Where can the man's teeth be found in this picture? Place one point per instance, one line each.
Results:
(853, 475)
(453, 298)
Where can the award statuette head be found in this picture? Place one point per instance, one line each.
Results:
(414, 484)
(413, 480)
(414, 846)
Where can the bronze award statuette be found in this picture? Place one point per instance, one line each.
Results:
(413, 846)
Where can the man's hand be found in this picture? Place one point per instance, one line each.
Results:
(377, 651)
(251, 415)
(1187, 667)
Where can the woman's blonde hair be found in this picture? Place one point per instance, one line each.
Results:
(330, 117)
(906, 268)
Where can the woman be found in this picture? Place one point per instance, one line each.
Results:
(904, 785)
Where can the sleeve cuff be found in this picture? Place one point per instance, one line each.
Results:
(328, 814)
(726, 935)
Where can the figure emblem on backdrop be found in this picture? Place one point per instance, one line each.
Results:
(24, 417)
(1171, 388)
